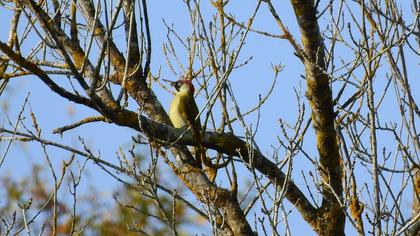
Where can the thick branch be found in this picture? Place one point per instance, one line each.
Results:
(103, 100)
(415, 229)
(34, 69)
(130, 25)
(331, 216)
(135, 85)
(196, 180)
(231, 145)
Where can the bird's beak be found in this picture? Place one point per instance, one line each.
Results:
(172, 83)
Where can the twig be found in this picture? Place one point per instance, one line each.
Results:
(87, 120)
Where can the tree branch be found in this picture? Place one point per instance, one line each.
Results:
(79, 123)
(231, 145)
(332, 218)
(34, 69)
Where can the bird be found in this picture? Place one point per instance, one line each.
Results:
(183, 113)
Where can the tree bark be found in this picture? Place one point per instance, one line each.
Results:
(331, 218)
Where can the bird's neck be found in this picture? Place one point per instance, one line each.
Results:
(185, 90)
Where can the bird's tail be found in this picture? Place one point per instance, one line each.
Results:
(200, 151)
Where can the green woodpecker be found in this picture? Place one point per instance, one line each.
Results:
(184, 112)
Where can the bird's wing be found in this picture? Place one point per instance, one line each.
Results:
(190, 112)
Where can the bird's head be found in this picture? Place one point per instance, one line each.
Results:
(182, 85)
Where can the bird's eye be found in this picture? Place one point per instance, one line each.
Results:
(177, 85)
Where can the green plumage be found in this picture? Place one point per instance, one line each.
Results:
(184, 111)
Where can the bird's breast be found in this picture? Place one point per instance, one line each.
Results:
(175, 115)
